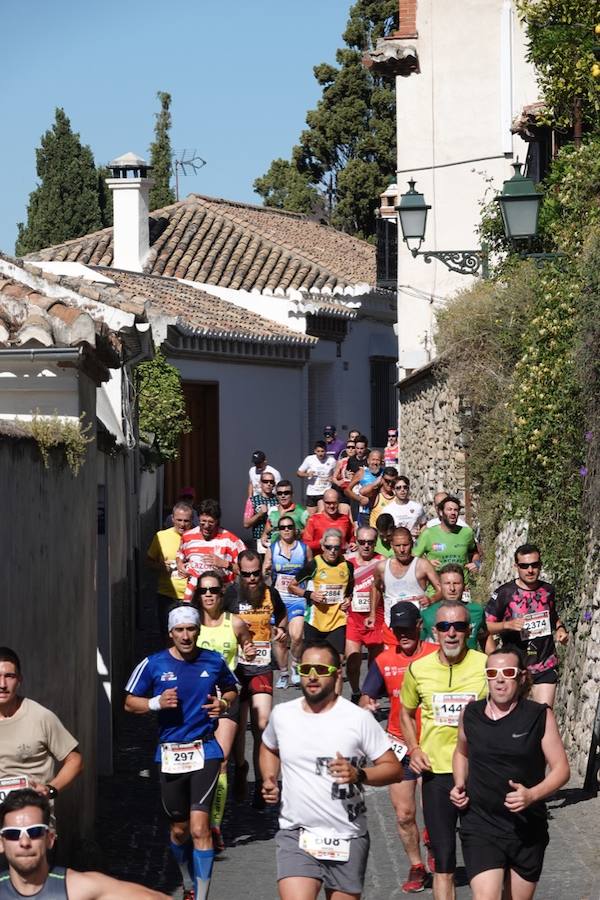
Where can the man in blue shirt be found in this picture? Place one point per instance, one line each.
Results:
(180, 684)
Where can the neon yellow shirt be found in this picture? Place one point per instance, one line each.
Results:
(165, 545)
(441, 692)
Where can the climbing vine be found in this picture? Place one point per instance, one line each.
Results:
(162, 413)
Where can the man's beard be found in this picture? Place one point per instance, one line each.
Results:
(314, 699)
(453, 652)
(253, 596)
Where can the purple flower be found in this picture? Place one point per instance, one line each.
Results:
(587, 616)
(583, 471)
(589, 435)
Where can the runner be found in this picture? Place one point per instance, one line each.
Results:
(452, 582)
(449, 542)
(366, 481)
(318, 468)
(326, 583)
(259, 606)
(207, 547)
(385, 529)
(318, 523)
(222, 632)
(335, 445)
(404, 577)
(382, 494)
(364, 562)
(508, 759)
(284, 492)
(523, 613)
(189, 688)
(162, 558)
(343, 475)
(390, 453)
(321, 743)
(258, 468)
(384, 678)
(257, 509)
(406, 512)
(286, 557)
(441, 684)
(26, 837)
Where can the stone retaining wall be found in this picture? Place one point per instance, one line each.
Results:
(432, 451)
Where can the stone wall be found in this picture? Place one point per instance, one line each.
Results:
(432, 451)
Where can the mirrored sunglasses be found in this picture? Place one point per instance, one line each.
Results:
(318, 669)
(507, 672)
(33, 832)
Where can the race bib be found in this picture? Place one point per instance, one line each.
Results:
(325, 847)
(282, 583)
(398, 747)
(334, 593)
(448, 707)
(263, 655)
(536, 625)
(361, 601)
(323, 483)
(176, 759)
(12, 783)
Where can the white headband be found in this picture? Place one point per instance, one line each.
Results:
(184, 615)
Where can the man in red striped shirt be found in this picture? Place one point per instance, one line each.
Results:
(208, 547)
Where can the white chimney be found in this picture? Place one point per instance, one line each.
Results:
(130, 188)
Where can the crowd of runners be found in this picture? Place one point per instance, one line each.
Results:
(356, 585)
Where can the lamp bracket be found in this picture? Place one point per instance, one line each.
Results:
(464, 262)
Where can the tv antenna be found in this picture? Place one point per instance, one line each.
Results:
(188, 162)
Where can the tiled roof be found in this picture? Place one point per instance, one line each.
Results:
(35, 313)
(239, 246)
(199, 312)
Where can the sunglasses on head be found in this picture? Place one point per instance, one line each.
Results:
(212, 589)
(254, 572)
(506, 672)
(318, 669)
(283, 493)
(33, 832)
(461, 627)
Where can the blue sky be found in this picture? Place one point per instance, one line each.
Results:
(240, 74)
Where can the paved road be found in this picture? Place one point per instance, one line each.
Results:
(133, 833)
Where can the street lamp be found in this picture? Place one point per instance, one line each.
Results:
(412, 213)
(520, 206)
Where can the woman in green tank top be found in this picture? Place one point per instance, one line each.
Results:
(223, 632)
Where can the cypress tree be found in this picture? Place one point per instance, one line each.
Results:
(65, 204)
(347, 153)
(160, 155)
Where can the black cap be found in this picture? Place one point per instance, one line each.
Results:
(404, 615)
(329, 429)
(258, 457)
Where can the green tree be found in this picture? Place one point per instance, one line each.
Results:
(561, 46)
(105, 197)
(65, 204)
(347, 153)
(160, 155)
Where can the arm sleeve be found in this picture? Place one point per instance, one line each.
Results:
(375, 741)
(422, 544)
(410, 693)
(140, 681)
(226, 680)
(374, 685)
(306, 572)
(304, 465)
(269, 735)
(59, 741)
(154, 551)
(496, 607)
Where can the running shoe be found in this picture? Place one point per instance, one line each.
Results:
(240, 783)
(217, 839)
(430, 856)
(415, 882)
(283, 681)
(189, 894)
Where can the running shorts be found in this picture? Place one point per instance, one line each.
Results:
(482, 853)
(261, 683)
(441, 817)
(550, 676)
(295, 606)
(346, 877)
(181, 794)
(357, 631)
(337, 637)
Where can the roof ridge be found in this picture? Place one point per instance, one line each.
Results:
(264, 209)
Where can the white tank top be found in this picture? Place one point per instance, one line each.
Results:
(396, 589)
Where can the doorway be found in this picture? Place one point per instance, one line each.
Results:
(197, 465)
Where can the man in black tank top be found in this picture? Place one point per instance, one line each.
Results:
(25, 838)
(505, 746)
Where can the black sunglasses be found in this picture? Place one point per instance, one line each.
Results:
(209, 590)
(331, 547)
(460, 627)
(362, 543)
(535, 565)
(267, 481)
(255, 572)
(283, 493)
(286, 527)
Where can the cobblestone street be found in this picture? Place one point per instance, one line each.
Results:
(132, 832)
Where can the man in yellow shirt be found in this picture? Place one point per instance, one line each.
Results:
(440, 686)
(162, 557)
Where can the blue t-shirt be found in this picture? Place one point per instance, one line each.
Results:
(194, 681)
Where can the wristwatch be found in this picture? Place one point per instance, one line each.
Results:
(52, 791)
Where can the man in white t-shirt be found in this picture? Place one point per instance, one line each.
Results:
(407, 513)
(321, 743)
(318, 468)
(257, 470)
